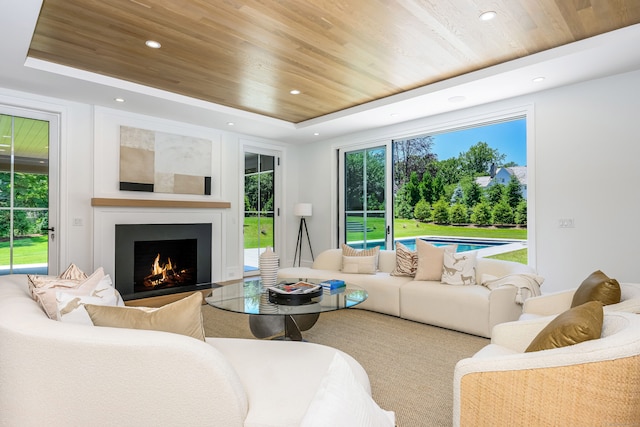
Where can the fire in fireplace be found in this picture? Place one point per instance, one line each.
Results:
(164, 264)
(159, 259)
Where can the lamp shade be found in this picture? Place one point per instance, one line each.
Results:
(302, 209)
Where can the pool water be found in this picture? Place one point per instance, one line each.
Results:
(464, 245)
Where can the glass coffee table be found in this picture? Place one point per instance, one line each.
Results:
(268, 318)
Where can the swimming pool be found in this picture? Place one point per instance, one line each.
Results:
(464, 244)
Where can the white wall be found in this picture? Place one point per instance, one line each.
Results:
(89, 161)
(585, 155)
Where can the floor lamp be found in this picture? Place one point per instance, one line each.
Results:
(302, 210)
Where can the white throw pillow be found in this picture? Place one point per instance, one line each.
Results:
(342, 402)
(71, 305)
(459, 268)
(359, 264)
(46, 296)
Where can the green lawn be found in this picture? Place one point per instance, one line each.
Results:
(26, 250)
(258, 234)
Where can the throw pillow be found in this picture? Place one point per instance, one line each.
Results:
(73, 273)
(459, 269)
(70, 305)
(359, 264)
(342, 402)
(180, 317)
(431, 260)
(576, 325)
(597, 287)
(406, 261)
(349, 251)
(46, 294)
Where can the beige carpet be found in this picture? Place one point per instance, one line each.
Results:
(410, 365)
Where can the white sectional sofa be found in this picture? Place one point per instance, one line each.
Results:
(54, 373)
(473, 309)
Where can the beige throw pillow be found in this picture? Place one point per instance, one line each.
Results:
(359, 264)
(180, 317)
(459, 269)
(348, 251)
(431, 260)
(406, 261)
(576, 325)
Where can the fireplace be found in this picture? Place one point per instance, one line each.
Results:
(161, 259)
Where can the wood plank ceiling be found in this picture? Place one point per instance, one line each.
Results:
(249, 54)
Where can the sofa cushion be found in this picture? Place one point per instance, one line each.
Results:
(430, 260)
(459, 269)
(359, 264)
(576, 325)
(597, 287)
(180, 317)
(342, 401)
(406, 261)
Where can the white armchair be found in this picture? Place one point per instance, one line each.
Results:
(596, 382)
(558, 302)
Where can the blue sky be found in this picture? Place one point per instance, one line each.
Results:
(508, 138)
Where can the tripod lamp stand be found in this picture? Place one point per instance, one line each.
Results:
(302, 210)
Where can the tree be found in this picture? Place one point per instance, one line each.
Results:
(403, 208)
(412, 189)
(441, 212)
(481, 214)
(437, 188)
(449, 170)
(520, 217)
(458, 214)
(478, 159)
(494, 193)
(426, 187)
(472, 193)
(457, 195)
(502, 213)
(411, 155)
(422, 211)
(513, 192)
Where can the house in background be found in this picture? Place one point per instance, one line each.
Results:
(503, 176)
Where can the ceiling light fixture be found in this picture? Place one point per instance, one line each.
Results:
(230, 123)
(153, 44)
(538, 79)
(488, 15)
(316, 133)
(118, 99)
(294, 92)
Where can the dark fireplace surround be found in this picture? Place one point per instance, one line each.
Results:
(161, 259)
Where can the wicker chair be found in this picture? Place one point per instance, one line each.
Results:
(594, 383)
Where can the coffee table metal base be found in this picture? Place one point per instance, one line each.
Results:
(263, 326)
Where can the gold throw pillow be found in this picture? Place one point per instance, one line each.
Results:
(576, 325)
(597, 287)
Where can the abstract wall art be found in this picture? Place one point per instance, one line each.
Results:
(161, 162)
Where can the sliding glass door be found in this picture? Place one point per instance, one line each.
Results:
(365, 222)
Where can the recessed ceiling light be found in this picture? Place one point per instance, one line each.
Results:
(538, 79)
(458, 98)
(230, 123)
(393, 114)
(153, 44)
(316, 133)
(488, 15)
(118, 99)
(294, 92)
